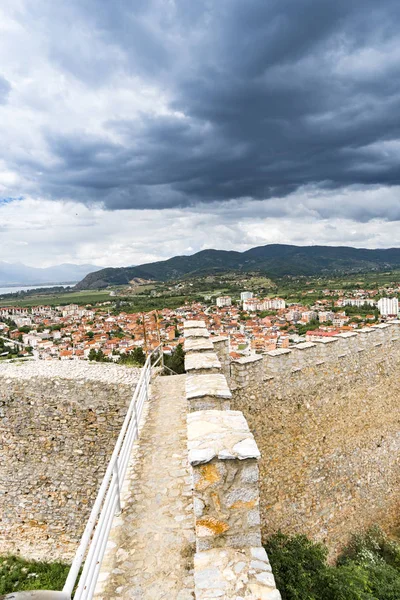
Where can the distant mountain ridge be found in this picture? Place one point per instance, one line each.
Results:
(18, 273)
(272, 259)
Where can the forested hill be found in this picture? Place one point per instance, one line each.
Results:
(273, 260)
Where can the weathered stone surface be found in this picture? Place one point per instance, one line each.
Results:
(151, 544)
(71, 369)
(198, 345)
(223, 455)
(207, 392)
(328, 434)
(193, 324)
(221, 347)
(207, 385)
(196, 332)
(202, 363)
(58, 425)
(219, 434)
(232, 574)
(304, 346)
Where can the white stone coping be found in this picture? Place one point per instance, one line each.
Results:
(215, 384)
(222, 434)
(245, 360)
(194, 344)
(325, 340)
(201, 360)
(71, 369)
(346, 334)
(232, 574)
(304, 346)
(218, 338)
(193, 324)
(196, 332)
(381, 326)
(366, 330)
(279, 352)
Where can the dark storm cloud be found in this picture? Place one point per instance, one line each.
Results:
(264, 98)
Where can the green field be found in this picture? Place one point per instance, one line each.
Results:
(84, 297)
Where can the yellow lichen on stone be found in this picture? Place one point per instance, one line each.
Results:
(208, 475)
(210, 526)
(242, 504)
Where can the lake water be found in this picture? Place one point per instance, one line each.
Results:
(25, 288)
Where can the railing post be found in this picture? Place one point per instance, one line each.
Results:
(136, 422)
(116, 474)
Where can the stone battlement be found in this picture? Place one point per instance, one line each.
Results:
(361, 347)
(325, 416)
(223, 455)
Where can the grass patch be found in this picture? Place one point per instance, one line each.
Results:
(17, 574)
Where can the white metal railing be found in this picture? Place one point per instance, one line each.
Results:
(108, 501)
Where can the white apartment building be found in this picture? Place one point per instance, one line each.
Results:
(224, 301)
(275, 303)
(358, 302)
(253, 304)
(388, 306)
(246, 296)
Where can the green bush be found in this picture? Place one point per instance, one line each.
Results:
(176, 360)
(17, 574)
(368, 569)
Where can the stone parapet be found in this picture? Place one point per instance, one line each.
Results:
(223, 455)
(246, 369)
(230, 562)
(197, 344)
(194, 325)
(202, 363)
(207, 392)
(196, 332)
(221, 347)
(237, 574)
(285, 363)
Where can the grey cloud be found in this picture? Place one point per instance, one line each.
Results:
(269, 97)
(5, 88)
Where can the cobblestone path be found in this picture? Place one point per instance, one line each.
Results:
(150, 551)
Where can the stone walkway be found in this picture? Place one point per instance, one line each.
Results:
(151, 546)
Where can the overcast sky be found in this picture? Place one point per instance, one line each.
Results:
(135, 130)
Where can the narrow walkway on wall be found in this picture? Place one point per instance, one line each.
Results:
(150, 549)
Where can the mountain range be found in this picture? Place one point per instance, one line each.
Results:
(273, 260)
(18, 273)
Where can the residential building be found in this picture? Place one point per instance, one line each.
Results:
(246, 296)
(388, 307)
(224, 301)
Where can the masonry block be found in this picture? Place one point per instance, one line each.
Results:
(207, 392)
(196, 332)
(202, 363)
(234, 574)
(223, 455)
(193, 324)
(197, 344)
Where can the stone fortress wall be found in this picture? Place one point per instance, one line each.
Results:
(326, 418)
(230, 561)
(58, 426)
